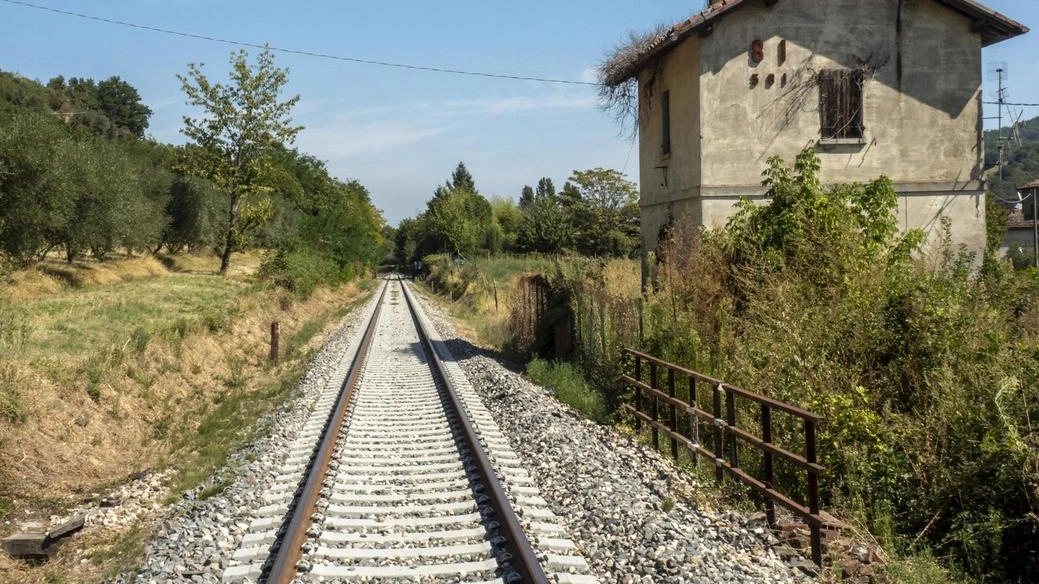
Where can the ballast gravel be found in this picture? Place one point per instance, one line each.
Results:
(611, 491)
(196, 538)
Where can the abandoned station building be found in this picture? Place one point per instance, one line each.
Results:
(888, 87)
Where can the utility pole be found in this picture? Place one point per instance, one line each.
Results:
(1001, 99)
(1035, 229)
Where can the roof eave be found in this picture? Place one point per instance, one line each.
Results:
(993, 27)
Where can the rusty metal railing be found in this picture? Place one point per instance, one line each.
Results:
(726, 435)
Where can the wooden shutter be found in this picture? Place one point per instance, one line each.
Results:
(840, 103)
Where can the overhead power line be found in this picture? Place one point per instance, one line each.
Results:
(293, 51)
(997, 103)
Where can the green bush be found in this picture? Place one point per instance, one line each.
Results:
(925, 367)
(299, 271)
(568, 384)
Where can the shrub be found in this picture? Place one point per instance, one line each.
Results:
(568, 384)
(925, 369)
(299, 271)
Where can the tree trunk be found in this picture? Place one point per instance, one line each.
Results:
(232, 221)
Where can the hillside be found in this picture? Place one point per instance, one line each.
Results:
(129, 349)
(1022, 161)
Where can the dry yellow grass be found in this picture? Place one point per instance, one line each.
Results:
(134, 368)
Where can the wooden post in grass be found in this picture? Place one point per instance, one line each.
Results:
(275, 330)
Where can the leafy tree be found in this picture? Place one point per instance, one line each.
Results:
(36, 182)
(504, 230)
(193, 215)
(526, 196)
(457, 221)
(232, 145)
(121, 103)
(546, 227)
(114, 206)
(996, 219)
(546, 188)
(604, 207)
(410, 233)
(18, 94)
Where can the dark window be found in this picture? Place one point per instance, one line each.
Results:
(665, 108)
(840, 103)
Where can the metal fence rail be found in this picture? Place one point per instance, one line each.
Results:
(725, 434)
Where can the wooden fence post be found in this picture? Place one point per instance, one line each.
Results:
(275, 333)
(673, 418)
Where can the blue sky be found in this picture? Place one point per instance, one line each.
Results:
(401, 132)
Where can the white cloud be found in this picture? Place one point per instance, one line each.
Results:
(347, 140)
(466, 108)
(513, 105)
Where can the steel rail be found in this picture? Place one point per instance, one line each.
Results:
(516, 543)
(294, 532)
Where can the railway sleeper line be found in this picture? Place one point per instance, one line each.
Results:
(420, 484)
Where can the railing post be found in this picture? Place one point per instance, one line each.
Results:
(766, 463)
(638, 392)
(674, 413)
(719, 424)
(654, 411)
(694, 420)
(813, 492)
(730, 419)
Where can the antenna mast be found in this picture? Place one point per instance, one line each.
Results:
(1001, 99)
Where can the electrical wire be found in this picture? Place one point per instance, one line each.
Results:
(294, 51)
(993, 102)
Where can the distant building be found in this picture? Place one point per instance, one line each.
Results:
(876, 86)
(1021, 226)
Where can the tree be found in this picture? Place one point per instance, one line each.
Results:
(244, 121)
(462, 180)
(546, 227)
(407, 239)
(504, 230)
(35, 186)
(605, 212)
(458, 220)
(526, 196)
(546, 188)
(121, 103)
(192, 214)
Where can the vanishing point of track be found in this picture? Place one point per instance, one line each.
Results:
(401, 475)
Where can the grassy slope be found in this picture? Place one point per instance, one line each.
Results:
(109, 369)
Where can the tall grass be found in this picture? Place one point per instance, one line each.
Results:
(567, 383)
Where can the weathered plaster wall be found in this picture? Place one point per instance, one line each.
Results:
(675, 176)
(922, 107)
(921, 117)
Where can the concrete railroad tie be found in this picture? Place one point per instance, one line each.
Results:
(398, 502)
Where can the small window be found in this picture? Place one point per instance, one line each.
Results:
(840, 104)
(665, 108)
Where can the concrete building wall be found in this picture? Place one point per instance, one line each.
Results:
(922, 107)
(665, 178)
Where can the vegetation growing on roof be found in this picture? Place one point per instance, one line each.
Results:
(618, 85)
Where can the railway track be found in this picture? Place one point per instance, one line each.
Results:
(401, 474)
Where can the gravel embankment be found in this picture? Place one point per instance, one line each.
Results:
(611, 491)
(196, 538)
